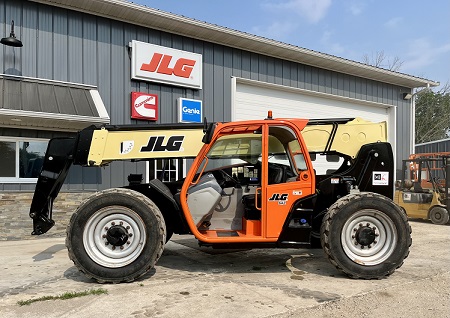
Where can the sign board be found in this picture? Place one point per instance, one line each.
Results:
(190, 110)
(144, 106)
(155, 63)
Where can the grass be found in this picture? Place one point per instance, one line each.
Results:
(67, 295)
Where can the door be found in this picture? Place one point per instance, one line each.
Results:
(289, 177)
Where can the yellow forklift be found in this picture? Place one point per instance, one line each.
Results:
(423, 191)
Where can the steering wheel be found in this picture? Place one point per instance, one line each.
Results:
(438, 184)
(225, 180)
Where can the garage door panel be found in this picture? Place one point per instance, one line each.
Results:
(253, 102)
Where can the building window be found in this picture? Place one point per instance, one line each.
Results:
(21, 159)
(166, 169)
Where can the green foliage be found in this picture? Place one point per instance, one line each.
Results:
(68, 295)
(432, 115)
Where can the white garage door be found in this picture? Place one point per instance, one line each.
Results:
(253, 102)
(253, 99)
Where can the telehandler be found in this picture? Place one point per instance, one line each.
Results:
(251, 185)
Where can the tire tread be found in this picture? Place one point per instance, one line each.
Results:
(325, 230)
(143, 198)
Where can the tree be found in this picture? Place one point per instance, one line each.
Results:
(432, 114)
(379, 59)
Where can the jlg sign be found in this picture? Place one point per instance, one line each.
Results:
(161, 64)
(156, 63)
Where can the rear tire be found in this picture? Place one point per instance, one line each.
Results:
(366, 235)
(439, 215)
(117, 235)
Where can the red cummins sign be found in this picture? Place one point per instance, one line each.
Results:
(144, 106)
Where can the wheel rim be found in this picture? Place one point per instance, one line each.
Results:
(437, 216)
(114, 236)
(369, 237)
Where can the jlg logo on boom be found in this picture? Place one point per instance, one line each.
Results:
(156, 144)
(160, 64)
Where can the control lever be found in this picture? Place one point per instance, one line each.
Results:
(224, 194)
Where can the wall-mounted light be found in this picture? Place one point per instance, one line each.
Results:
(407, 96)
(11, 40)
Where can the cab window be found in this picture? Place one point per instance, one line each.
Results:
(285, 152)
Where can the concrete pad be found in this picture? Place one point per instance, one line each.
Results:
(189, 280)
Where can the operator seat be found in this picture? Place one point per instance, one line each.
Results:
(277, 174)
(203, 197)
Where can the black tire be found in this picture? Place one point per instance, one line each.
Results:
(117, 235)
(439, 215)
(169, 233)
(366, 235)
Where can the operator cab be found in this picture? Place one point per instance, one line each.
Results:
(225, 196)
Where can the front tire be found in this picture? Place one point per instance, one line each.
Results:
(117, 235)
(366, 235)
(439, 215)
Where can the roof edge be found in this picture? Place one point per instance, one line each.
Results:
(253, 43)
(46, 81)
(433, 142)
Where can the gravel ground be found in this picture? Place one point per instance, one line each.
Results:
(424, 298)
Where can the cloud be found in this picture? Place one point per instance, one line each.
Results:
(356, 7)
(312, 10)
(423, 54)
(276, 30)
(332, 46)
(393, 23)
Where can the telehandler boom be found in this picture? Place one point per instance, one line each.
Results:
(252, 184)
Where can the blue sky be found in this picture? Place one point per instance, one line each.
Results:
(415, 32)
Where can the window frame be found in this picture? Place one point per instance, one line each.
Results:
(17, 140)
(152, 166)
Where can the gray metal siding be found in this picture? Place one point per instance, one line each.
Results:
(437, 146)
(77, 47)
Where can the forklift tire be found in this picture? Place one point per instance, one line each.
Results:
(439, 215)
(366, 235)
(117, 235)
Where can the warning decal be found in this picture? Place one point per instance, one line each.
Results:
(380, 178)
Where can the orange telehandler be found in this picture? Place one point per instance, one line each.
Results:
(252, 184)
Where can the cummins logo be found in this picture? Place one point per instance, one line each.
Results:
(144, 106)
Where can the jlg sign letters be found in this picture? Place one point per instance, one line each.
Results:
(156, 63)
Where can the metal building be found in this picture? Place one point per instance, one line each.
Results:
(82, 62)
(442, 145)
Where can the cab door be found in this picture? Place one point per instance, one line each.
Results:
(287, 177)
